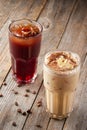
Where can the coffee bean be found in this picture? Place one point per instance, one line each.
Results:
(34, 92)
(15, 92)
(1, 95)
(39, 103)
(16, 103)
(24, 113)
(4, 83)
(27, 90)
(19, 85)
(19, 110)
(14, 124)
(29, 111)
(26, 95)
(39, 126)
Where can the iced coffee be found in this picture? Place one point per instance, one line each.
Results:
(25, 42)
(61, 74)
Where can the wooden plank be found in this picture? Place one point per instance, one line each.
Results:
(40, 117)
(6, 7)
(28, 9)
(75, 36)
(8, 110)
(78, 118)
(7, 123)
(74, 39)
(10, 113)
(54, 23)
(55, 125)
(19, 12)
(7, 107)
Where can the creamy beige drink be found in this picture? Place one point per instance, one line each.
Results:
(61, 74)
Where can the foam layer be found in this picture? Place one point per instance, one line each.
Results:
(62, 61)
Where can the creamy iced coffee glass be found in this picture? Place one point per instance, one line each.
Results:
(61, 74)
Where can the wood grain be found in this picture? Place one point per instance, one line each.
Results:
(8, 110)
(47, 42)
(6, 7)
(54, 20)
(64, 28)
(75, 36)
(11, 84)
(7, 107)
(74, 39)
(78, 118)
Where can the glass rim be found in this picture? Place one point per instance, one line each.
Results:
(29, 21)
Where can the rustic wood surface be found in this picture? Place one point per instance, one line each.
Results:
(64, 28)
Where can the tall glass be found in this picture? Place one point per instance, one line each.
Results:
(60, 86)
(25, 42)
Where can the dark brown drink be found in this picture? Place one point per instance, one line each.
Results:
(25, 42)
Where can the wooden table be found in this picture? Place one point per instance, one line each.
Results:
(64, 28)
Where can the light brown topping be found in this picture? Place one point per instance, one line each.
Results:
(62, 61)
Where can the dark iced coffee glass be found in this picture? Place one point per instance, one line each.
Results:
(25, 42)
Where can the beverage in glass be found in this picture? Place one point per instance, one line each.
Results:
(25, 42)
(61, 74)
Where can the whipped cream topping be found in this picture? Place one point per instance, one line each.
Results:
(62, 61)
